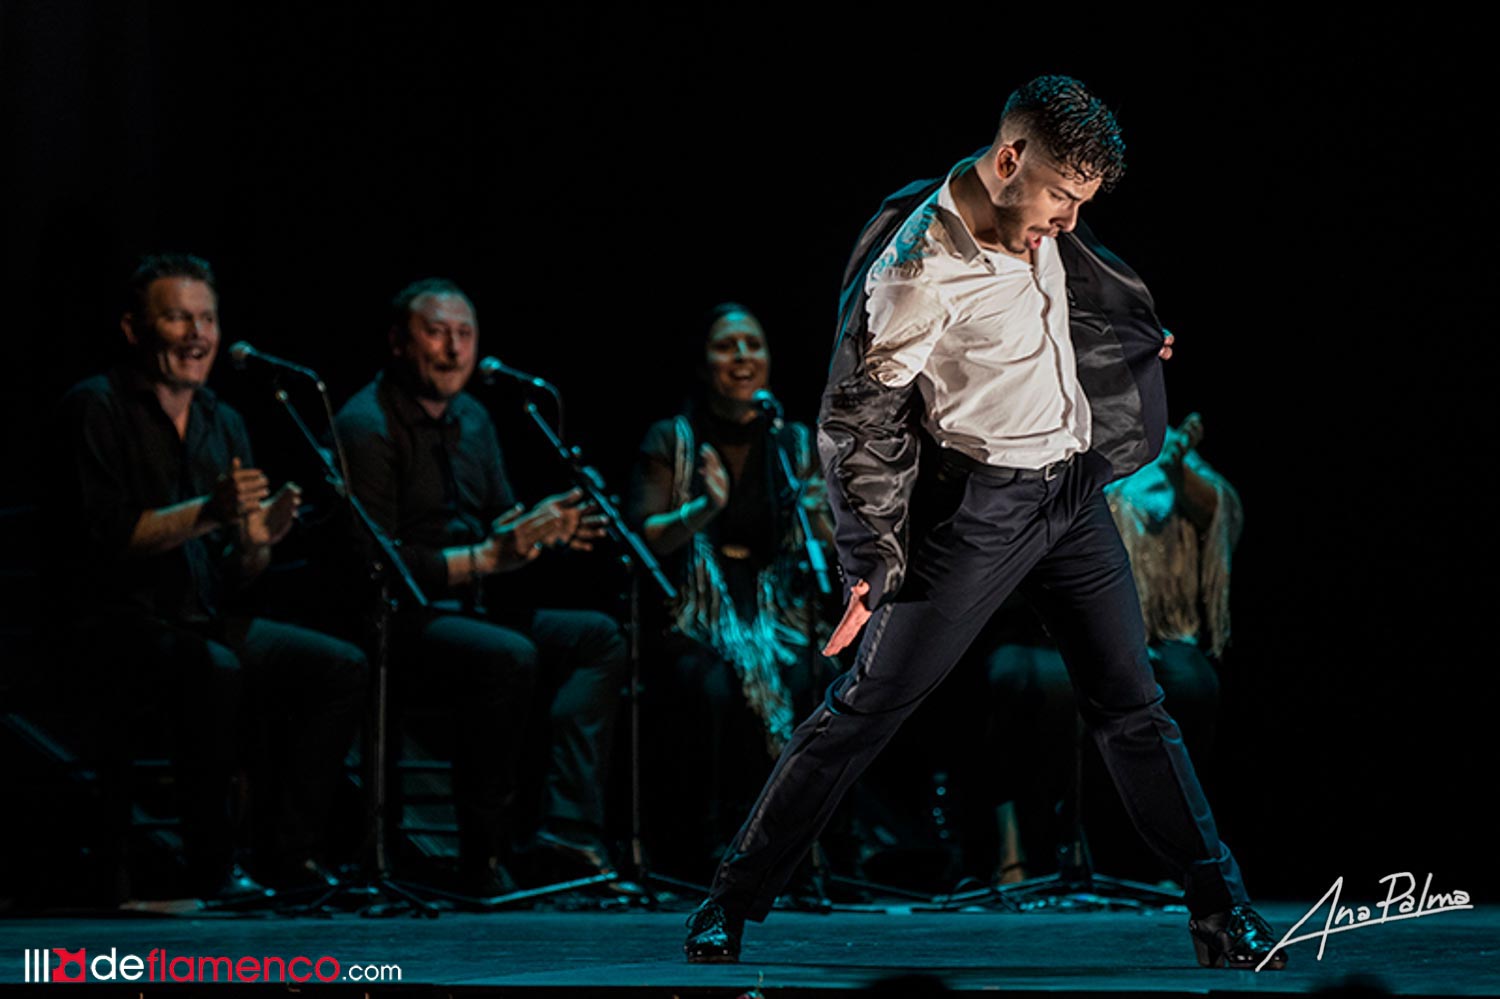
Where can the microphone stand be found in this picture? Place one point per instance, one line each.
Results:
(638, 558)
(639, 561)
(587, 478)
(1075, 885)
(811, 547)
(813, 563)
(376, 882)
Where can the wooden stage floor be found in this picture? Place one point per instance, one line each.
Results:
(633, 952)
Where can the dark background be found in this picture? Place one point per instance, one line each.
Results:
(1303, 197)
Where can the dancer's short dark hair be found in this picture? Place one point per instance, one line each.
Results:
(1071, 124)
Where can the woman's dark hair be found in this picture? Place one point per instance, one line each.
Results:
(723, 310)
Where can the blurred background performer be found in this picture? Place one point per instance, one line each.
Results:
(425, 460)
(163, 518)
(1180, 521)
(741, 663)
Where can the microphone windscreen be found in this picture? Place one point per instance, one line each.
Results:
(764, 400)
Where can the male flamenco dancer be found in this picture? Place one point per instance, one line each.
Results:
(994, 370)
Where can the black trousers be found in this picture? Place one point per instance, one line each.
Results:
(1021, 704)
(214, 684)
(977, 536)
(556, 676)
(708, 750)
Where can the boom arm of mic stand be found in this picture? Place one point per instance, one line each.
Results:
(590, 482)
(387, 548)
(815, 559)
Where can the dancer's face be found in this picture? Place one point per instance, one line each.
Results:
(1035, 198)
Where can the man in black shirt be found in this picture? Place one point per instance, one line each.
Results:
(425, 461)
(164, 517)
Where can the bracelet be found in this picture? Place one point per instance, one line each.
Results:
(682, 516)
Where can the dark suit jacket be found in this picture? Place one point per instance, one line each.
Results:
(869, 435)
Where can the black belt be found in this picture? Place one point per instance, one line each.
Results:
(999, 473)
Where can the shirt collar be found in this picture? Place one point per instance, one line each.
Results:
(406, 406)
(135, 383)
(963, 239)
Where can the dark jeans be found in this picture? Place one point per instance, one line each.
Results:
(561, 673)
(305, 688)
(977, 536)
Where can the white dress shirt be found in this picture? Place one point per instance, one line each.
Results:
(984, 334)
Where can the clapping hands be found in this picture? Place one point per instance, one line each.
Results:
(239, 497)
(566, 518)
(272, 520)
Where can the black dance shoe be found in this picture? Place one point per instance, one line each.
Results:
(1239, 938)
(713, 936)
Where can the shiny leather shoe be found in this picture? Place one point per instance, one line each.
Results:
(1239, 938)
(713, 936)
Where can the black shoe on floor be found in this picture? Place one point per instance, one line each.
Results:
(1239, 938)
(713, 936)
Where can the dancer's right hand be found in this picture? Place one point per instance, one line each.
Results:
(855, 616)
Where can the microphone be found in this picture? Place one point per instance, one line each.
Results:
(491, 369)
(767, 403)
(243, 356)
